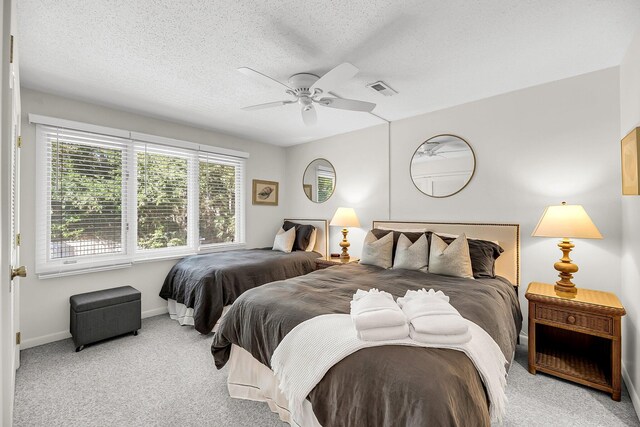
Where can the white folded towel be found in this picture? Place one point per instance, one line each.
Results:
(440, 339)
(445, 324)
(379, 318)
(425, 306)
(375, 309)
(423, 292)
(384, 334)
(430, 314)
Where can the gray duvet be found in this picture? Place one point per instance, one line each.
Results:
(208, 282)
(380, 386)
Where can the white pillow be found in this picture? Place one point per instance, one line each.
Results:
(312, 240)
(412, 256)
(377, 251)
(284, 240)
(450, 260)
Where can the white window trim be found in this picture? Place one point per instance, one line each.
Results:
(132, 255)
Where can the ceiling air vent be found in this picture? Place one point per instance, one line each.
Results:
(382, 87)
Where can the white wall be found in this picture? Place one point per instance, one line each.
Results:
(534, 147)
(361, 162)
(45, 303)
(630, 292)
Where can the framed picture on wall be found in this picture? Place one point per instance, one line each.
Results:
(630, 161)
(265, 192)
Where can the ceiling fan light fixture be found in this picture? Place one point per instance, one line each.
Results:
(306, 88)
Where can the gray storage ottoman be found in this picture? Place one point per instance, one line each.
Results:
(104, 314)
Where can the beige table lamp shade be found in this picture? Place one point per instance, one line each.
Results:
(569, 221)
(345, 217)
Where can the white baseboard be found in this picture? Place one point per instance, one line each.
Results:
(524, 339)
(63, 335)
(44, 339)
(633, 393)
(155, 312)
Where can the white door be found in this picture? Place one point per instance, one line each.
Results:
(9, 210)
(16, 142)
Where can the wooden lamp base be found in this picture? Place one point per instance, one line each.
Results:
(566, 268)
(344, 245)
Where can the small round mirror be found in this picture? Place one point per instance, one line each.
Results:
(442, 166)
(319, 180)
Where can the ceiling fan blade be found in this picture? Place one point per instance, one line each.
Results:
(267, 105)
(347, 104)
(335, 77)
(262, 77)
(309, 115)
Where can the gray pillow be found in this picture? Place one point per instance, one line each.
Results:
(450, 260)
(412, 256)
(377, 252)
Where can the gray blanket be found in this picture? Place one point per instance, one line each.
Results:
(208, 282)
(380, 386)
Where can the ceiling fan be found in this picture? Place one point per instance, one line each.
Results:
(308, 89)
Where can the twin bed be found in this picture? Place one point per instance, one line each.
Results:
(200, 287)
(382, 386)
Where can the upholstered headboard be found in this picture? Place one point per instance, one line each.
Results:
(322, 236)
(507, 235)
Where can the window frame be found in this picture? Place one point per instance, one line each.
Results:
(47, 267)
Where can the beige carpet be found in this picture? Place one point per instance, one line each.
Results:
(165, 377)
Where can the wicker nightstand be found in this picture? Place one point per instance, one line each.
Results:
(326, 263)
(576, 336)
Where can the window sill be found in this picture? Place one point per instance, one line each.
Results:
(152, 258)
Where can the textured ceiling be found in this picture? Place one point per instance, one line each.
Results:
(177, 59)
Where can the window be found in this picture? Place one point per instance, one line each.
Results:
(325, 183)
(108, 200)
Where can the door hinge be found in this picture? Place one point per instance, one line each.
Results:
(19, 141)
(18, 338)
(18, 239)
(11, 52)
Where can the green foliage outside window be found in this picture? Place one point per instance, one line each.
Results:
(87, 197)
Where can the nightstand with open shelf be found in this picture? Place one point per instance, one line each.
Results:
(576, 336)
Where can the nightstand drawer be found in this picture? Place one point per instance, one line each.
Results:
(575, 318)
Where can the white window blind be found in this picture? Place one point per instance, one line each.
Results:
(106, 201)
(221, 180)
(325, 183)
(84, 198)
(163, 177)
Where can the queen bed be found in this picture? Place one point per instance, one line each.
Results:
(200, 288)
(383, 386)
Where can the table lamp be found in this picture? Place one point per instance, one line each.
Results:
(345, 217)
(566, 222)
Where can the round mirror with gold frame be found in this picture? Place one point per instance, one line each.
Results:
(443, 165)
(319, 180)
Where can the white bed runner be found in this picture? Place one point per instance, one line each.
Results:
(184, 315)
(307, 352)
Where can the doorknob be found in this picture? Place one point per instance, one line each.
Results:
(20, 271)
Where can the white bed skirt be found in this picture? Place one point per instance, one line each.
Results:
(251, 380)
(184, 315)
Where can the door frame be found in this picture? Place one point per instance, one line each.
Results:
(7, 337)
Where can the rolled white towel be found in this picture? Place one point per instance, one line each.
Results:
(384, 334)
(379, 318)
(423, 292)
(445, 324)
(425, 306)
(375, 309)
(437, 339)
